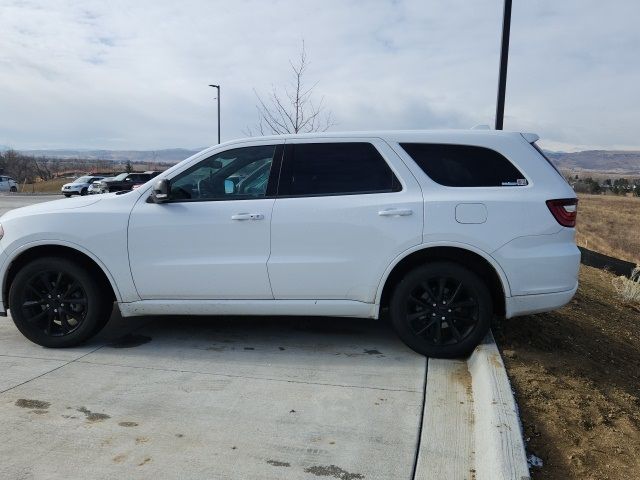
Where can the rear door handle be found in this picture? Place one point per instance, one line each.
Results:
(247, 216)
(392, 212)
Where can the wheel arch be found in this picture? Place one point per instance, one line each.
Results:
(74, 252)
(465, 255)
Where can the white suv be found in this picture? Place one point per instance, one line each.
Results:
(443, 229)
(80, 186)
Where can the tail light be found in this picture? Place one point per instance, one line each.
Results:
(564, 210)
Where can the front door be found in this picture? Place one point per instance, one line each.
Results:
(211, 239)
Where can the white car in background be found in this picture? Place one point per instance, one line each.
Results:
(80, 186)
(8, 184)
(95, 188)
(442, 229)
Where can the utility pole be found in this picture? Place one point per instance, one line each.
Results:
(218, 97)
(504, 59)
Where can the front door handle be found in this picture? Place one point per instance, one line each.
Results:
(392, 212)
(247, 216)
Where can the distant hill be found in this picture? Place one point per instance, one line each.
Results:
(605, 161)
(612, 161)
(170, 155)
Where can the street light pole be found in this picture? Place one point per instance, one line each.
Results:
(218, 97)
(504, 59)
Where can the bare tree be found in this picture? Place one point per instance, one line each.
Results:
(44, 168)
(293, 111)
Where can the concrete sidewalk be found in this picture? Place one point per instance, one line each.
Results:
(240, 398)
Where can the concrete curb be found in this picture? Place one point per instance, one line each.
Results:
(499, 446)
(471, 428)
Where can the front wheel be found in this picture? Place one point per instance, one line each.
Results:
(441, 310)
(13, 189)
(56, 302)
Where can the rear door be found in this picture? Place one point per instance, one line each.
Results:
(345, 209)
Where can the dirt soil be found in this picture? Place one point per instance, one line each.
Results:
(576, 375)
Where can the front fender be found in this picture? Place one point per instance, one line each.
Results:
(8, 259)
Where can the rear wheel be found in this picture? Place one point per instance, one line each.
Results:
(13, 189)
(441, 310)
(67, 195)
(56, 302)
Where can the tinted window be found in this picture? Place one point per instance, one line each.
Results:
(335, 169)
(241, 173)
(464, 166)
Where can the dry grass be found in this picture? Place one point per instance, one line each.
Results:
(610, 224)
(50, 186)
(628, 289)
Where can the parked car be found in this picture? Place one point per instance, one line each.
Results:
(94, 188)
(126, 181)
(441, 230)
(8, 184)
(80, 186)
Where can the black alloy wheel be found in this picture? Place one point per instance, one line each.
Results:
(441, 310)
(56, 302)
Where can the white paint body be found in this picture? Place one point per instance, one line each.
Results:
(326, 255)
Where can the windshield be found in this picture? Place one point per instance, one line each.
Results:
(122, 176)
(84, 179)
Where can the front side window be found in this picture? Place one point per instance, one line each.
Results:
(312, 169)
(464, 165)
(241, 173)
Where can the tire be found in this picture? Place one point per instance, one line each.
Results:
(67, 195)
(83, 192)
(441, 310)
(13, 189)
(81, 310)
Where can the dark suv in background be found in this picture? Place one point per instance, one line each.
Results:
(126, 181)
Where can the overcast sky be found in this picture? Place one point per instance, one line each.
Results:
(134, 75)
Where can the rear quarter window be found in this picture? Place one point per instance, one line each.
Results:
(464, 165)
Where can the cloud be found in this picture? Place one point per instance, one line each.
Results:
(135, 74)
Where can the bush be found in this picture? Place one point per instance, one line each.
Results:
(628, 289)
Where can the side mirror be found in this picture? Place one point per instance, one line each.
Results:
(229, 186)
(161, 191)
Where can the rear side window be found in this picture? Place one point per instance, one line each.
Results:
(335, 169)
(464, 165)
